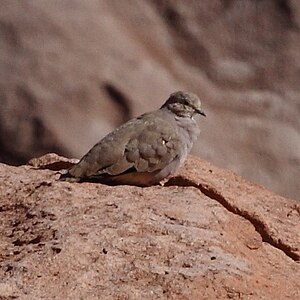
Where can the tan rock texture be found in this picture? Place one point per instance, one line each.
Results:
(206, 234)
(71, 71)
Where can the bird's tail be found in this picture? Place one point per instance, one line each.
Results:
(69, 178)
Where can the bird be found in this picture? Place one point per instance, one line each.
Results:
(145, 150)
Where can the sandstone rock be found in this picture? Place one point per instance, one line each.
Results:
(52, 161)
(207, 234)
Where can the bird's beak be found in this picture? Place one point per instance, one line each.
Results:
(200, 112)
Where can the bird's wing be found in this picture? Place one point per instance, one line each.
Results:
(146, 144)
(108, 152)
(152, 149)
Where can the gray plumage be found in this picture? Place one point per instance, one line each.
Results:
(146, 149)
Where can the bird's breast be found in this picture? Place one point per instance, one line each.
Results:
(189, 130)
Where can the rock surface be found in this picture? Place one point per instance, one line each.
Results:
(71, 71)
(206, 234)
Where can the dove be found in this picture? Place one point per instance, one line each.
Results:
(146, 149)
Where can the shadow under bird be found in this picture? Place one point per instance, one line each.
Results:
(146, 149)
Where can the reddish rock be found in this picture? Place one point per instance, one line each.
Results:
(206, 234)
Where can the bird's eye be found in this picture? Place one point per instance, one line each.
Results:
(186, 102)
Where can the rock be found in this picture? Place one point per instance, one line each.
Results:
(52, 161)
(68, 77)
(206, 234)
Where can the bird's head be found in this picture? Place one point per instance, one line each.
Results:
(184, 104)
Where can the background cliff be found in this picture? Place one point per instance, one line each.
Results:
(71, 71)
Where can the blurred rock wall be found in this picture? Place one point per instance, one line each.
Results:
(71, 71)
